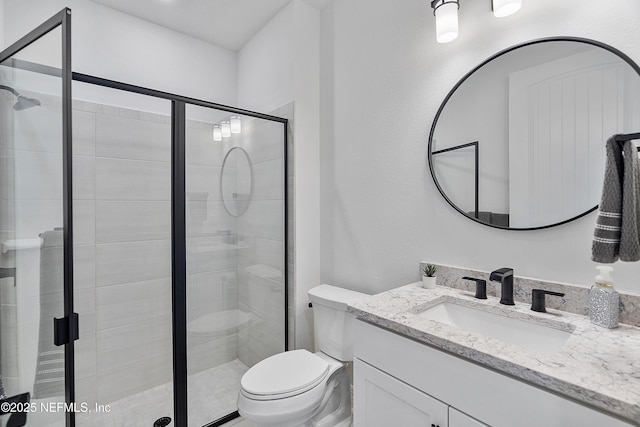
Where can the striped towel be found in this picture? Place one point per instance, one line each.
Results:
(616, 233)
(630, 233)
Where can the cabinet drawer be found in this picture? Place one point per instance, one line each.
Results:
(382, 401)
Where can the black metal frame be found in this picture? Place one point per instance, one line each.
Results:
(611, 49)
(178, 216)
(61, 19)
(178, 229)
(476, 149)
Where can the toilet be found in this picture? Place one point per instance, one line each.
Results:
(303, 389)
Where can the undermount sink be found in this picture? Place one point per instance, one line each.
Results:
(525, 334)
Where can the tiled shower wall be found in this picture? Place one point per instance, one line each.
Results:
(123, 265)
(211, 254)
(122, 231)
(261, 260)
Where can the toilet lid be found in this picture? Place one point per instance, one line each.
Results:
(285, 373)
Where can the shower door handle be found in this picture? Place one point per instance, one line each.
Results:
(63, 332)
(18, 406)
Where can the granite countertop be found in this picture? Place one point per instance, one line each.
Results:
(597, 366)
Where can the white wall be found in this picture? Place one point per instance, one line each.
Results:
(266, 65)
(110, 44)
(2, 23)
(383, 79)
(278, 66)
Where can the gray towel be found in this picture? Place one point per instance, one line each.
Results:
(616, 233)
(630, 237)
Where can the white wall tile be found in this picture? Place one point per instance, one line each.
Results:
(126, 138)
(218, 220)
(268, 180)
(124, 346)
(120, 179)
(132, 221)
(120, 305)
(84, 133)
(264, 218)
(38, 175)
(85, 356)
(263, 140)
(201, 148)
(211, 354)
(134, 378)
(85, 305)
(37, 216)
(84, 267)
(132, 262)
(204, 179)
(84, 222)
(211, 253)
(84, 177)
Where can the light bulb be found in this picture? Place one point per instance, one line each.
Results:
(502, 8)
(446, 21)
(226, 129)
(236, 124)
(217, 133)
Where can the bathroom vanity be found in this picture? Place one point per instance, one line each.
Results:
(417, 363)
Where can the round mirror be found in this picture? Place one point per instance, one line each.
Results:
(236, 181)
(518, 143)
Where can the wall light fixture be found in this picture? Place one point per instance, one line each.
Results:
(446, 13)
(502, 8)
(217, 133)
(225, 126)
(236, 124)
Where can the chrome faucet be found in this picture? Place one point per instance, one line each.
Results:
(505, 277)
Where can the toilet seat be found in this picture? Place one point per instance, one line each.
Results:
(284, 375)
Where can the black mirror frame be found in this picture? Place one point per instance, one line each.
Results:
(611, 49)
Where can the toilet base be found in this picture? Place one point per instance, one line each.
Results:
(333, 411)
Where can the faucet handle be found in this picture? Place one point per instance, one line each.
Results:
(538, 302)
(481, 287)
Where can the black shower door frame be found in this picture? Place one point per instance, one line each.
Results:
(178, 228)
(68, 328)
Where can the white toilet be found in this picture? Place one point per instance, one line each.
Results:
(302, 389)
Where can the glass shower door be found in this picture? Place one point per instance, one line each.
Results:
(235, 248)
(34, 144)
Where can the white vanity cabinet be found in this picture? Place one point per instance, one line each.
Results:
(402, 382)
(384, 401)
(458, 419)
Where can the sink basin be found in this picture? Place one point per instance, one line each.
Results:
(527, 335)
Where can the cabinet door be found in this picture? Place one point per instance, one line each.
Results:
(458, 419)
(381, 400)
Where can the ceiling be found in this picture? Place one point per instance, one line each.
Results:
(226, 23)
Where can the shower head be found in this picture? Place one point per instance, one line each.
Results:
(22, 102)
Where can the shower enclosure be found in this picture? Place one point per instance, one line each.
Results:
(151, 226)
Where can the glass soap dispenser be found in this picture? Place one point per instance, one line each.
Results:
(604, 301)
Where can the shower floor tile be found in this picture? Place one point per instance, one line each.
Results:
(212, 394)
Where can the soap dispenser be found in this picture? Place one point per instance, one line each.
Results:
(604, 301)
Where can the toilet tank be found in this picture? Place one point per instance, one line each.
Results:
(333, 325)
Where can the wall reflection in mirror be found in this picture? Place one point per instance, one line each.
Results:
(540, 114)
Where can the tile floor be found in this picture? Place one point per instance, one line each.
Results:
(212, 394)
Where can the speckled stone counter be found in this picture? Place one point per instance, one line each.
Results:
(596, 366)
